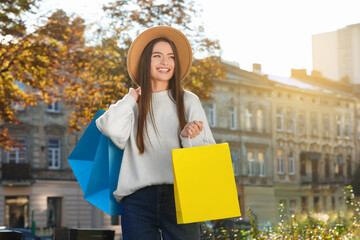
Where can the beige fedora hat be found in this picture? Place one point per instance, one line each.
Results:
(137, 47)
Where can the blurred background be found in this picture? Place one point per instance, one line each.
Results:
(279, 81)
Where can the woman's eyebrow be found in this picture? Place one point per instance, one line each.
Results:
(163, 53)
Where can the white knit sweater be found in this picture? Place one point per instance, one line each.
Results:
(154, 166)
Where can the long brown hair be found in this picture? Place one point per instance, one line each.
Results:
(145, 100)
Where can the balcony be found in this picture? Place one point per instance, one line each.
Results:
(16, 172)
(314, 179)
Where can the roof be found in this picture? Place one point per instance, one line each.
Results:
(298, 82)
(234, 73)
(293, 82)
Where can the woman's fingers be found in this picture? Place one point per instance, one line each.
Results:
(192, 129)
(134, 93)
(199, 124)
(196, 126)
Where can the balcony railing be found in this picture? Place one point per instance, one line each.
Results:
(16, 171)
(317, 180)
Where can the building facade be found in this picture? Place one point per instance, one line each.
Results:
(337, 54)
(37, 182)
(314, 143)
(293, 140)
(240, 114)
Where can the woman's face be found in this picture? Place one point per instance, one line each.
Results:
(162, 64)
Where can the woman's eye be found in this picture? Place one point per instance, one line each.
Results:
(156, 56)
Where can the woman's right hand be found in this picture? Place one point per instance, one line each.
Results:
(135, 93)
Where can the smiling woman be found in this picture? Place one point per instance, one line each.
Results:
(148, 123)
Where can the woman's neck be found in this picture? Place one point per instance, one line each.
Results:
(159, 86)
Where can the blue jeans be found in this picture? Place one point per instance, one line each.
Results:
(149, 214)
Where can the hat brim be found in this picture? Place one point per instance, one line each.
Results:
(137, 47)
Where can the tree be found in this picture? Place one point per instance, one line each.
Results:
(36, 61)
(56, 62)
(11, 24)
(106, 80)
(131, 17)
(10, 16)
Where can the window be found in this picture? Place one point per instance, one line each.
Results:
(314, 124)
(327, 165)
(290, 121)
(280, 159)
(348, 166)
(324, 203)
(54, 154)
(54, 212)
(261, 164)
(302, 165)
(347, 129)
(338, 123)
(301, 124)
(235, 160)
(292, 208)
(291, 163)
(260, 120)
(304, 204)
(279, 119)
(316, 204)
(326, 125)
(339, 166)
(54, 107)
(250, 156)
(232, 117)
(212, 114)
(16, 211)
(18, 154)
(248, 119)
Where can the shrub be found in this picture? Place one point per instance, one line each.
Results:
(325, 225)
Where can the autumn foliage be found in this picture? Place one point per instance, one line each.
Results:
(55, 62)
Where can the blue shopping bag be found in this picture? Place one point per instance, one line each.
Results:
(96, 163)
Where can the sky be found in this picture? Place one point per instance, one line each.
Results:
(274, 33)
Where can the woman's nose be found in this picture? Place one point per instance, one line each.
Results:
(164, 61)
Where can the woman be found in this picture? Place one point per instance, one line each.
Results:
(148, 123)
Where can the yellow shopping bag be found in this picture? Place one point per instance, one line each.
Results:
(204, 184)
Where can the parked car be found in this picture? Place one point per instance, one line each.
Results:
(28, 235)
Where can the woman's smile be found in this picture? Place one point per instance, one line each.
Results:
(164, 70)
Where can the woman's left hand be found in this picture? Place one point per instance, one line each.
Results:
(192, 129)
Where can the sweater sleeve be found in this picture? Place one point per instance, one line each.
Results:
(117, 122)
(195, 112)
